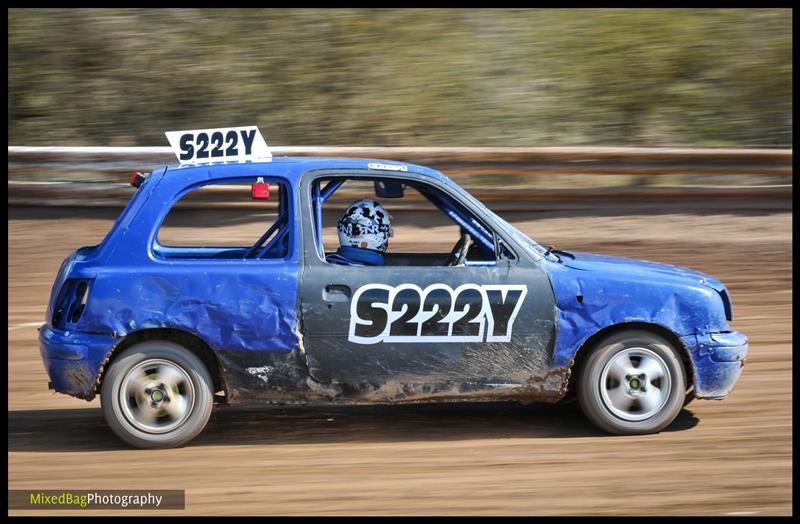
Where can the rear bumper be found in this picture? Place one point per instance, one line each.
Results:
(718, 359)
(72, 360)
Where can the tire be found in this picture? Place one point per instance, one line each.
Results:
(157, 394)
(633, 383)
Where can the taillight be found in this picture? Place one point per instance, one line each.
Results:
(71, 302)
(137, 179)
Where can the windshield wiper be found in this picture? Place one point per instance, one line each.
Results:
(551, 251)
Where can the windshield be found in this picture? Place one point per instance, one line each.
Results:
(511, 230)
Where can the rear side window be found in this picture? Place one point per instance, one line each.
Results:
(228, 221)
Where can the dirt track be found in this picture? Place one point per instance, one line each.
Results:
(718, 458)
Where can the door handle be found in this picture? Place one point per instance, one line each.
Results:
(336, 293)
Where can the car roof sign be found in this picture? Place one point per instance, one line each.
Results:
(224, 144)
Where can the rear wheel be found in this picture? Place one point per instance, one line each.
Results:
(157, 394)
(632, 383)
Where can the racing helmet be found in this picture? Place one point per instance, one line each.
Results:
(367, 225)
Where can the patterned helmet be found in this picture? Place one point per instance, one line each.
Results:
(367, 225)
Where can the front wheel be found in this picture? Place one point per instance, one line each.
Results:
(157, 394)
(633, 383)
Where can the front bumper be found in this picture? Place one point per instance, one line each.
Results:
(718, 359)
(73, 359)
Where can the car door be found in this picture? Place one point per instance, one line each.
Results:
(419, 331)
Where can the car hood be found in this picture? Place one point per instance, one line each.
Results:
(642, 270)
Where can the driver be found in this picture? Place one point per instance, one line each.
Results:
(364, 231)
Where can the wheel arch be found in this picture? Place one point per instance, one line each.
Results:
(190, 341)
(591, 343)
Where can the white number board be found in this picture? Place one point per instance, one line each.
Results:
(212, 145)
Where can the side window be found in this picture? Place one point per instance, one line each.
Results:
(232, 220)
(427, 223)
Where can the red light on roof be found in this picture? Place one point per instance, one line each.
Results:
(259, 190)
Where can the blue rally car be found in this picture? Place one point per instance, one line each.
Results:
(161, 331)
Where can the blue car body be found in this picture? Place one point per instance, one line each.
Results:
(248, 314)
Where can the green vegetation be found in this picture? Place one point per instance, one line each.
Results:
(658, 77)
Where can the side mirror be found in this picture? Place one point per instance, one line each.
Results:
(389, 188)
